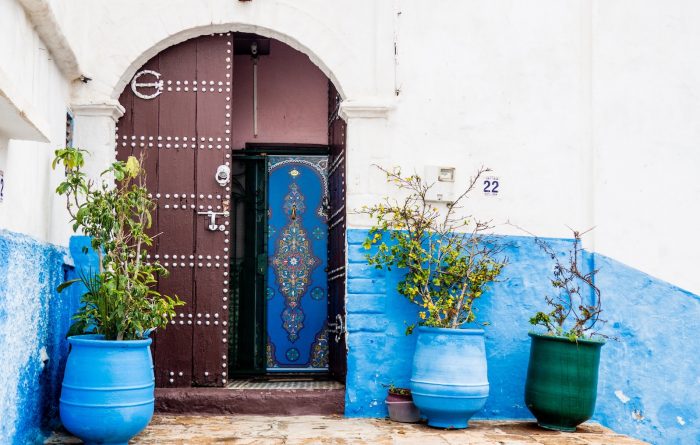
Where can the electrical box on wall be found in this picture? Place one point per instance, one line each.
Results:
(442, 180)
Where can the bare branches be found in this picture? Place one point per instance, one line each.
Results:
(573, 314)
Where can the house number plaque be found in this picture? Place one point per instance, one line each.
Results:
(491, 184)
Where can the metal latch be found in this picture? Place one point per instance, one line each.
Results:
(213, 226)
(337, 328)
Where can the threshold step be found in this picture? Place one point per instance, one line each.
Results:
(271, 401)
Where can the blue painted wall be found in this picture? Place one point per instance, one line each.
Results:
(648, 380)
(649, 383)
(33, 322)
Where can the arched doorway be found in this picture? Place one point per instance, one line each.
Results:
(245, 156)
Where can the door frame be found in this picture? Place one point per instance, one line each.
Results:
(282, 149)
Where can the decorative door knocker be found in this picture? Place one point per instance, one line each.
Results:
(157, 84)
(223, 175)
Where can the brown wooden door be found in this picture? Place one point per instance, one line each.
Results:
(183, 130)
(337, 365)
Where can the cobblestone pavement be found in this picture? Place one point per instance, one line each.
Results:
(166, 429)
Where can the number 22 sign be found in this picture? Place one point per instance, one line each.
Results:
(491, 184)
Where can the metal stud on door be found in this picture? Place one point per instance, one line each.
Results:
(214, 63)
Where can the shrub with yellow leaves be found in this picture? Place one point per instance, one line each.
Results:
(449, 260)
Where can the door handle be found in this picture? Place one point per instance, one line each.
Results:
(213, 226)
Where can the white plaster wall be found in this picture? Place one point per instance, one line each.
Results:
(494, 83)
(586, 110)
(30, 206)
(646, 113)
(480, 83)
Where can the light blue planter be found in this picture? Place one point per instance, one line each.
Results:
(449, 382)
(107, 394)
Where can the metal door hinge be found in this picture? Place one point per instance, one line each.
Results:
(262, 263)
(337, 328)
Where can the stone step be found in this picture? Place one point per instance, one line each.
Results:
(253, 401)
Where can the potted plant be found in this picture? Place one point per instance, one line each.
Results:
(108, 387)
(448, 262)
(562, 375)
(399, 403)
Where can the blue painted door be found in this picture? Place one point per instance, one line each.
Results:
(297, 297)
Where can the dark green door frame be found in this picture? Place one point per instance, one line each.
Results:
(248, 266)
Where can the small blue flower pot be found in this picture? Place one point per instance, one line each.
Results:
(449, 382)
(107, 395)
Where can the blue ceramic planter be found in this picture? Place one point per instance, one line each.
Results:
(449, 382)
(107, 393)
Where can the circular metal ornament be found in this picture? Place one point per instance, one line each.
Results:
(157, 84)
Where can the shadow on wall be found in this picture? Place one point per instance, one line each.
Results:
(647, 380)
(33, 321)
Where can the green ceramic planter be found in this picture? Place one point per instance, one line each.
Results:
(562, 381)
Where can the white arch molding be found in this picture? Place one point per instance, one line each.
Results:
(351, 107)
(191, 33)
(356, 62)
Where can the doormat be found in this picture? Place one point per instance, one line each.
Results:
(285, 384)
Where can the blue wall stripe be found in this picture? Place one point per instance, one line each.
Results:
(648, 380)
(33, 321)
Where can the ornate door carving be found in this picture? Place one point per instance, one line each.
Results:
(183, 133)
(297, 295)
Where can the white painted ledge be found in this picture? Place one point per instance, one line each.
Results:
(369, 108)
(107, 108)
(18, 120)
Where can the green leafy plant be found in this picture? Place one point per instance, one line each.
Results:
(399, 391)
(449, 260)
(120, 301)
(576, 305)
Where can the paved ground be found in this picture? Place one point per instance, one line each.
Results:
(165, 429)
